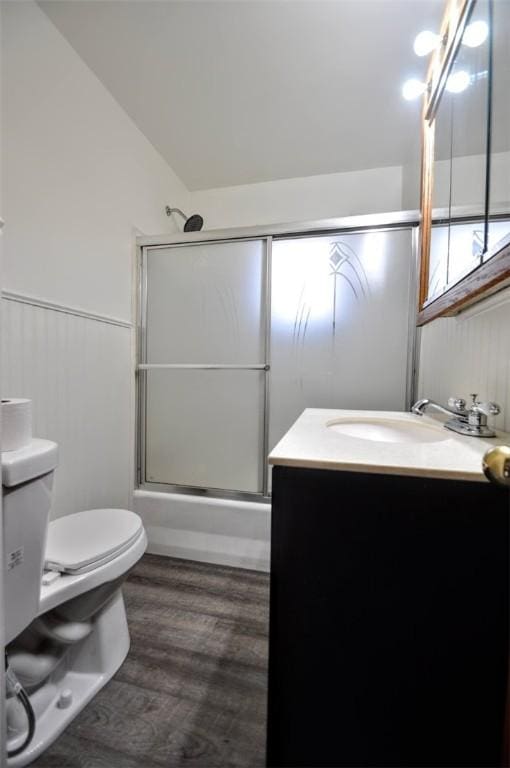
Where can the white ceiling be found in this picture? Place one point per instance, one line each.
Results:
(245, 91)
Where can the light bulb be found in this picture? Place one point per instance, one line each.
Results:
(425, 42)
(458, 82)
(475, 34)
(412, 89)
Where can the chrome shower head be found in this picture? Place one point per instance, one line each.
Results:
(192, 224)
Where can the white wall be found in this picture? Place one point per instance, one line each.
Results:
(500, 179)
(304, 199)
(79, 181)
(79, 176)
(469, 182)
(469, 353)
(411, 184)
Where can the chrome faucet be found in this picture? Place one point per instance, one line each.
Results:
(470, 420)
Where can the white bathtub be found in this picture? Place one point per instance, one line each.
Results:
(210, 530)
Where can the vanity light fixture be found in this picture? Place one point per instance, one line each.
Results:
(475, 34)
(413, 88)
(458, 81)
(425, 42)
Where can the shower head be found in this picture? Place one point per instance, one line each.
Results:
(192, 224)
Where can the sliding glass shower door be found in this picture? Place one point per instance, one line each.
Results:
(205, 363)
(342, 323)
(239, 336)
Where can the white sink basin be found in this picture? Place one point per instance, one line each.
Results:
(391, 430)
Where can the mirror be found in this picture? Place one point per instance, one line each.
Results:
(499, 169)
(460, 174)
(466, 97)
(440, 235)
(466, 197)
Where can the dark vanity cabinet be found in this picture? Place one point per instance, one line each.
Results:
(388, 620)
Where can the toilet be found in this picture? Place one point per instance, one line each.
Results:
(66, 627)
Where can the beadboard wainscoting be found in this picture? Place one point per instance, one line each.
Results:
(469, 353)
(77, 369)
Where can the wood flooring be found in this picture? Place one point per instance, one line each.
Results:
(192, 691)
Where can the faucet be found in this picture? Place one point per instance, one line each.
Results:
(456, 406)
(470, 420)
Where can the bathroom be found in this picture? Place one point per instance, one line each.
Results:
(215, 216)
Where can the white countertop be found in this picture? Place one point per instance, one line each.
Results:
(310, 443)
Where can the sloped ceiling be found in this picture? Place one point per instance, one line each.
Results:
(240, 92)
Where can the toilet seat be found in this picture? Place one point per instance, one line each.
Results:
(67, 586)
(86, 540)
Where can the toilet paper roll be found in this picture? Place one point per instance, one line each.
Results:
(16, 423)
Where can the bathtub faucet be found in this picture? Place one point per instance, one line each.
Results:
(470, 420)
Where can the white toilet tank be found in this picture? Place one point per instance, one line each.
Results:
(27, 480)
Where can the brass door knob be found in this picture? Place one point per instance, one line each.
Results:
(496, 465)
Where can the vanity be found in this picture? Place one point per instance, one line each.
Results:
(389, 595)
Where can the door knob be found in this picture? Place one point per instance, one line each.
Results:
(496, 465)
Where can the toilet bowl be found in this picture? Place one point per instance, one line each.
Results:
(66, 623)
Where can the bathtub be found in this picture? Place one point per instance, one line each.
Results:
(210, 530)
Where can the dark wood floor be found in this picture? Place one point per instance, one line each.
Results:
(192, 691)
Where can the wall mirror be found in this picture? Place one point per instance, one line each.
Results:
(465, 229)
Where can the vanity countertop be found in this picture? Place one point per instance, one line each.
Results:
(313, 442)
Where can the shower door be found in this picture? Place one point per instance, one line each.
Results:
(239, 337)
(342, 325)
(204, 366)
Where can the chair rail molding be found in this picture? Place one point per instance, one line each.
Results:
(34, 301)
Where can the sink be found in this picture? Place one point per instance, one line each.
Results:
(391, 430)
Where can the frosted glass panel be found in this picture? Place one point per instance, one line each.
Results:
(205, 428)
(340, 321)
(205, 303)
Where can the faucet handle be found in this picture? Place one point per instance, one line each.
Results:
(457, 403)
(489, 409)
